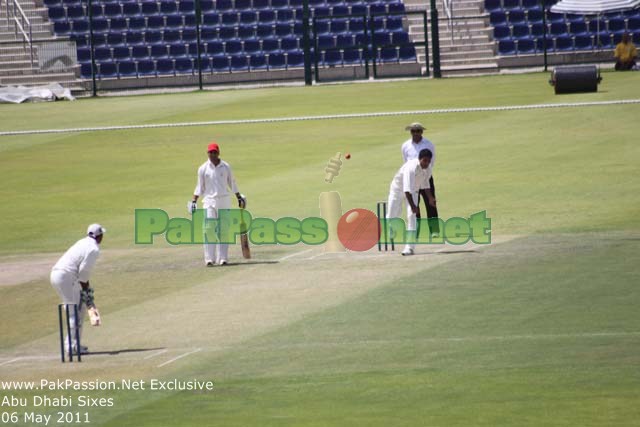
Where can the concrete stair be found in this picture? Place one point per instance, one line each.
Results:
(15, 56)
(466, 43)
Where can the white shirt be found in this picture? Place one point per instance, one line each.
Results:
(79, 259)
(410, 150)
(411, 177)
(214, 182)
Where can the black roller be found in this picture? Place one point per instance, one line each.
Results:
(572, 79)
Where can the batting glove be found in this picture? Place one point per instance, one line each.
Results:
(242, 201)
(87, 297)
(192, 206)
(94, 316)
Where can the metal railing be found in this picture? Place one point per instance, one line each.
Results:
(21, 25)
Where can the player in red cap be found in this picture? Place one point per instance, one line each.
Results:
(215, 185)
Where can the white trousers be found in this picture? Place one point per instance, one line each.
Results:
(394, 210)
(68, 288)
(213, 249)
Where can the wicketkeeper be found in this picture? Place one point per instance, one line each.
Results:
(215, 179)
(70, 278)
(408, 183)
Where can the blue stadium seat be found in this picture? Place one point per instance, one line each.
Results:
(506, 47)
(140, 52)
(289, 43)
(510, 4)
(491, 5)
(498, 17)
(149, 8)
(207, 5)
(261, 4)
(583, 42)
(266, 17)
(173, 21)
(251, 46)
(516, 16)
(526, 46)
(558, 29)
(115, 39)
(99, 39)
(168, 7)
(597, 25)
(74, 12)
(215, 48)
(283, 30)
(578, 28)
(394, 24)
(155, 22)
(407, 54)
(127, 69)
(160, 50)
(377, 8)
(285, 16)
(211, 19)
(189, 35)
(396, 7)
(152, 36)
(227, 33)
(388, 54)
(520, 31)
(248, 17)
(271, 45)
(501, 32)
(359, 9)
(616, 25)
(381, 39)
(135, 38)
(264, 31)
(323, 27)
(530, 4)
(96, 10)
(537, 30)
(120, 53)
(352, 57)
(178, 50)
(257, 62)
(146, 68)
(279, 4)
(164, 67)
(61, 27)
(223, 5)
(339, 10)
(534, 16)
(229, 19)
(232, 47)
(344, 40)
(184, 65)
(633, 24)
(107, 70)
(57, 13)
(321, 11)
(85, 70)
(84, 54)
(171, 36)
(295, 59)
(137, 23)
(246, 32)
(131, 9)
(563, 43)
(112, 10)
(239, 63)
(326, 41)
(242, 4)
(102, 54)
(276, 61)
(332, 58)
(186, 7)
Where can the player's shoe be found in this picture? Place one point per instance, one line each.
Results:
(83, 350)
(407, 252)
(223, 262)
(210, 264)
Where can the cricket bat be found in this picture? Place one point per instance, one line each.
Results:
(244, 242)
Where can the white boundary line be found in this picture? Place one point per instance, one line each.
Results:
(10, 361)
(179, 357)
(294, 254)
(327, 117)
(155, 354)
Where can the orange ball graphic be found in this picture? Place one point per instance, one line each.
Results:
(359, 230)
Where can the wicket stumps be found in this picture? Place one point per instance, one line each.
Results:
(65, 308)
(381, 208)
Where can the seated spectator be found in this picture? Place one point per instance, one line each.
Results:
(625, 54)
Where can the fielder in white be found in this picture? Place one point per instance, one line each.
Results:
(70, 278)
(409, 182)
(215, 179)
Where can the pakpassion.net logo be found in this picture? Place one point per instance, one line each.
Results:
(358, 229)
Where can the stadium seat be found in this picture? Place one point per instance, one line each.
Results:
(534, 16)
(146, 68)
(140, 52)
(583, 42)
(211, 19)
(229, 19)
(616, 25)
(61, 27)
(516, 16)
(344, 40)
(506, 47)
(633, 24)
(248, 17)
(120, 53)
(171, 36)
(152, 37)
(283, 30)
(388, 54)
(251, 46)
(186, 7)
(164, 67)
(400, 38)
(174, 21)
(332, 58)
(74, 12)
(232, 47)
(352, 57)
(239, 63)
(498, 17)
(127, 69)
(394, 24)
(215, 48)
(84, 54)
(339, 26)
(85, 70)
(295, 59)
(270, 45)
(266, 17)
(189, 35)
(537, 30)
(276, 61)
(149, 8)
(325, 41)
(407, 54)
(501, 32)
(107, 70)
(131, 9)
(168, 7)
(510, 4)
(112, 10)
(396, 7)
(137, 23)
(102, 54)
(261, 4)
(258, 62)
(526, 46)
(160, 50)
(520, 31)
(115, 39)
(578, 28)
(289, 43)
(246, 32)
(563, 43)
(227, 33)
(178, 50)
(242, 5)
(224, 5)
(183, 65)
(558, 29)
(279, 4)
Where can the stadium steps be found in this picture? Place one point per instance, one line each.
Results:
(466, 46)
(15, 60)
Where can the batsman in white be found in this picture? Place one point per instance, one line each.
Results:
(215, 179)
(70, 278)
(411, 180)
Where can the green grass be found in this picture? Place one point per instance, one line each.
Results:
(538, 329)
